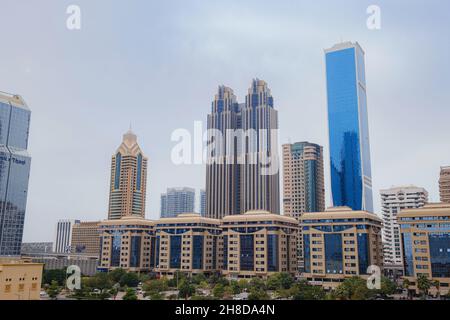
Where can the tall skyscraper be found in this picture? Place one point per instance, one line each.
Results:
(444, 184)
(303, 179)
(350, 167)
(303, 184)
(63, 235)
(202, 202)
(177, 201)
(242, 170)
(14, 171)
(128, 179)
(394, 200)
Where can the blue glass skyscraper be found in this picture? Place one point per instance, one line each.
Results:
(351, 177)
(14, 171)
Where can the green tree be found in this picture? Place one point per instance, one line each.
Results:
(116, 274)
(437, 285)
(100, 281)
(155, 286)
(423, 284)
(185, 289)
(129, 279)
(280, 281)
(53, 290)
(257, 283)
(198, 278)
(304, 291)
(243, 284)
(258, 294)
(388, 287)
(130, 295)
(58, 275)
(354, 288)
(156, 296)
(219, 290)
(235, 288)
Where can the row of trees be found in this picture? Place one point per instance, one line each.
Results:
(277, 286)
(280, 285)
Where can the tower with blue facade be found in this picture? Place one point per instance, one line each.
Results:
(350, 166)
(14, 171)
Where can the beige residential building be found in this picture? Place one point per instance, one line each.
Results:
(444, 184)
(259, 243)
(425, 234)
(394, 200)
(20, 279)
(128, 180)
(340, 243)
(303, 183)
(188, 243)
(126, 243)
(86, 238)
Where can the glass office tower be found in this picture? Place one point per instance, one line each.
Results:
(14, 171)
(351, 177)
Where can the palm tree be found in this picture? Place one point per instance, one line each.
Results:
(423, 284)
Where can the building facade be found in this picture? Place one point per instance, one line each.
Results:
(128, 180)
(340, 243)
(85, 238)
(177, 201)
(444, 184)
(126, 243)
(36, 247)
(350, 166)
(259, 243)
(202, 202)
(303, 179)
(242, 171)
(188, 243)
(425, 234)
(303, 183)
(63, 235)
(394, 200)
(20, 279)
(14, 171)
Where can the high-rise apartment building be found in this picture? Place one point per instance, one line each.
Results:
(444, 184)
(394, 200)
(350, 167)
(303, 183)
(242, 172)
(202, 202)
(86, 238)
(14, 171)
(340, 243)
(128, 180)
(177, 201)
(63, 236)
(303, 179)
(425, 234)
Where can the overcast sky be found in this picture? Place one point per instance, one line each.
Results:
(157, 64)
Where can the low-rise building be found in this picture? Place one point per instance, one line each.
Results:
(188, 243)
(425, 236)
(340, 243)
(259, 243)
(20, 279)
(126, 243)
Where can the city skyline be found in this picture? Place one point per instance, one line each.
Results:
(296, 77)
